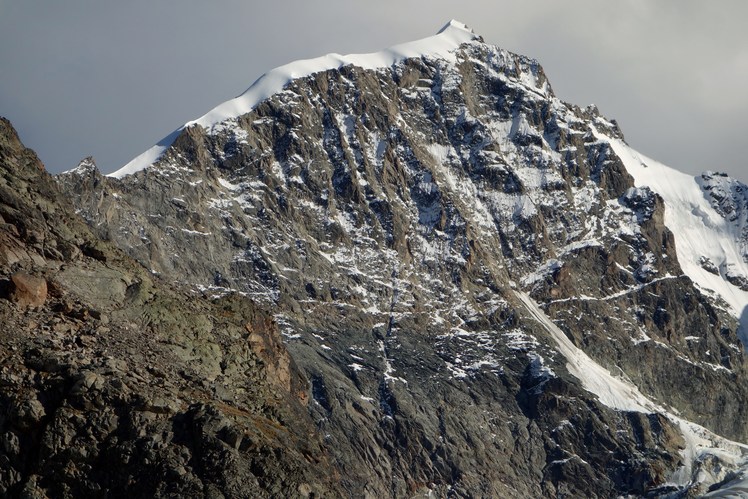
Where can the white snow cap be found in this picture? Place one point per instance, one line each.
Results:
(442, 45)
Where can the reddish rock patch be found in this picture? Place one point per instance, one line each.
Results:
(30, 291)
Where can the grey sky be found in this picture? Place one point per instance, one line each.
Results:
(109, 79)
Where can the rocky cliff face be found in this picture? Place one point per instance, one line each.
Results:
(114, 383)
(394, 221)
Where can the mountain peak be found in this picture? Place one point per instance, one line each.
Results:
(450, 249)
(455, 25)
(86, 166)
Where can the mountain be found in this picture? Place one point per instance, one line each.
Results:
(114, 383)
(489, 292)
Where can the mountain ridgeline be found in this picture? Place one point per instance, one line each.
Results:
(480, 290)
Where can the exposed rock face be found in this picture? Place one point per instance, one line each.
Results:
(729, 198)
(119, 385)
(390, 218)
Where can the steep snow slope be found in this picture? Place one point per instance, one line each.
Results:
(709, 246)
(441, 45)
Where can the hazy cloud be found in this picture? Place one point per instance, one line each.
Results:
(111, 78)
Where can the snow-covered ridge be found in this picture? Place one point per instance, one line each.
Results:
(708, 245)
(442, 45)
(86, 166)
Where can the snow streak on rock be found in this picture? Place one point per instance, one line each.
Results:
(702, 446)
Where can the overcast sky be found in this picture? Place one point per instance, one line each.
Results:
(110, 79)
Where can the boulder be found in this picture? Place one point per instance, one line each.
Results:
(29, 291)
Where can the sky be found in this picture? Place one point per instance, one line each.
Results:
(110, 79)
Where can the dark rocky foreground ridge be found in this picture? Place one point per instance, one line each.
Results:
(115, 384)
(392, 223)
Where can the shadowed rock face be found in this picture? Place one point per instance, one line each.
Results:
(387, 218)
(114, 383)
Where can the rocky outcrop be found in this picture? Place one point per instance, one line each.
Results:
(114, 383)
(390, 219)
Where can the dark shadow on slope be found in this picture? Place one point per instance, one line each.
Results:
(743, 328)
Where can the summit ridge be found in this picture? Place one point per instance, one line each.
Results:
(449, 38)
